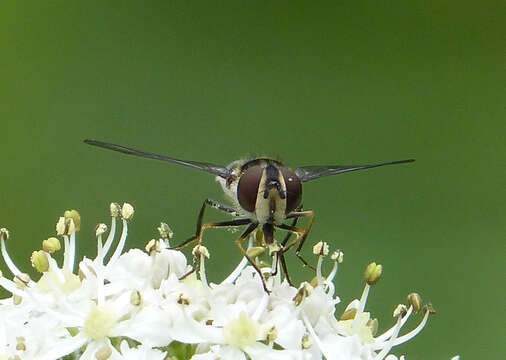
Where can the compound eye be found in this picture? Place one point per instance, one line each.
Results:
(293, 189)
(247, 189)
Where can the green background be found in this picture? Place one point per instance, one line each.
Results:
(310, 82)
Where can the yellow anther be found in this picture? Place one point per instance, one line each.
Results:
(100, 229)
(127, 211)
(349, 314)
(51, 245)
(305, 290)
(165, 231)
(400, 310)
(338, 256)
(136, 298)
(306, 342)
(74, 215)
(115, 209)
(103, 353)
(4, 234)
(321, 249)
(39, 261)
(372, 273)
(415, 300)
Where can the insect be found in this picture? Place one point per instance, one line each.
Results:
(265, 194)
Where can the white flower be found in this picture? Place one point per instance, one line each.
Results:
(155, 300)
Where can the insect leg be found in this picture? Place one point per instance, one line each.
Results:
(239, 241)
(237, 222)
(198, 232)
(281, 254)
(301, 233)
(198, 236)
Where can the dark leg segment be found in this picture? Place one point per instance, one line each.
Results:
(300, 233)
(199, 230)
(198, 236)
(216, 205)
(281, 254)
(239, 241)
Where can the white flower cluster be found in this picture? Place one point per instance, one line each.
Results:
(149, 305)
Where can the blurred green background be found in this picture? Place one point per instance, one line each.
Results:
(310, 82)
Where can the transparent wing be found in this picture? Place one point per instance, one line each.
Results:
(210, 168)
(307, 173)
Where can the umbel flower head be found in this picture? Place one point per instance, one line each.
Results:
(151, 304)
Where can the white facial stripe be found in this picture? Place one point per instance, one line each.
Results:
(273, 208)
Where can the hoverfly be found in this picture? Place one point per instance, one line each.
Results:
(264, 192)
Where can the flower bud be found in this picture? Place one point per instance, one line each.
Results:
(372, 273)
(51, 245)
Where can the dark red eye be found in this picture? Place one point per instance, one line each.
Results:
(247, 189)
(293, 189)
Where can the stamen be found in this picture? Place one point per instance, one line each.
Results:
(319, 276)
(100, 229)
(387, 334)
(11, 287)
(51, 245)
(166, 233)
(201, 253)
(103, 353)
(384, 352)
(72, 251)
(414, 332)
(110, 238)
(66, 249)
(360, 309)
(8, 261)
(121, 243)
(237, 271)
(315, 337)
(39, 260)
